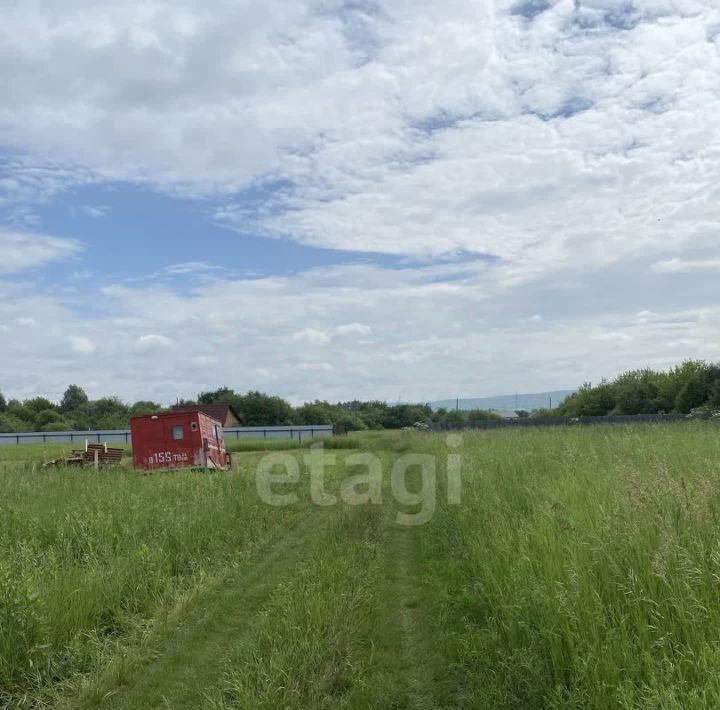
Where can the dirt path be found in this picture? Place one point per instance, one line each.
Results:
(191, 659)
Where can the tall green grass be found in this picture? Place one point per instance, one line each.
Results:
(312, 648)
(86, 557)
(582, 569)
(334, 442)
(39, 453)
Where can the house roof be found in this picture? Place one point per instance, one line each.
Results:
(216, 411)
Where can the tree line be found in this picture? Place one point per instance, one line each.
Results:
(693, 386)
(77, 412)
(258, 409)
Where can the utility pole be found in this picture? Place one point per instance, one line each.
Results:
(457, 404)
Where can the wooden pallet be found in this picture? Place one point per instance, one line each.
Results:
(98, 455)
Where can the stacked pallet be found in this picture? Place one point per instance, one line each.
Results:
(97, 455)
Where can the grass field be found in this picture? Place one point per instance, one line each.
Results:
(39, 453)
(581, 569)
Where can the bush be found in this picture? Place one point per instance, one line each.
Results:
(46, 418)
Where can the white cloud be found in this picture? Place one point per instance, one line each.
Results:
(416, 347)
(22, 250)
(264, 374)
(191, 267)
(353, 329)
(610, 337)
(152, 341)
(81, 344)
(315, 366)
(94, 211)
(675, 266)
(566, 165)
(575, 139)
(311, 336)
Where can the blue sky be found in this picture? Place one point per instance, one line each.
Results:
(351, 199)
(128, 230)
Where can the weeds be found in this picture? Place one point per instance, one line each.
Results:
(86, 556)
(343, 442)
(581, 570)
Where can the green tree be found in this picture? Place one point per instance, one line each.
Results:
(62, 425)
(545, 413)
(260, 409)
(673, 382)
(145, 407)
(38, 404)
(371, 413)
(714, 395)
(50, 418)
(637, 392)
(11, 423)
(73, 400)
(405, 415)
(476, 416)
(223, 395)
(454, 418)
(107, 413)
(3, 403)
(590, 401)
(350, 421)
(693, 395)
(693, 385)
(317, 412)
(18, 410)
(439, 414)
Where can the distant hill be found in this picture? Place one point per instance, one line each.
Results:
(508, 402)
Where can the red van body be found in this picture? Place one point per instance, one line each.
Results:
(178, 440)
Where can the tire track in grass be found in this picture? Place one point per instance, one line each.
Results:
(314, 646)
(191, 659)
(408, 647)
(405, 593)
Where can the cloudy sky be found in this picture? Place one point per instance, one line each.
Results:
(342, 198)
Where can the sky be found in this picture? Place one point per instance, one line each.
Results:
(338, 199)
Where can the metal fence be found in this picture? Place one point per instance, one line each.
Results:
(573, 421)
(122, 436)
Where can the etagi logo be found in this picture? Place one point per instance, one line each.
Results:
(282, 469)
